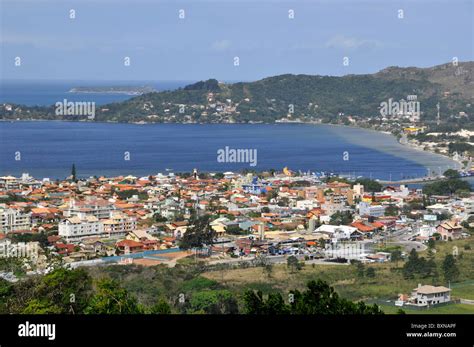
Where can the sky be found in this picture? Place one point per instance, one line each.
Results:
(161, 46)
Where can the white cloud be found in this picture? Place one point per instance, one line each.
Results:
(221, 45)
(42, 41)
(344, 42)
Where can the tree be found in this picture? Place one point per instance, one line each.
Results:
(41, 306)
(391, 210)
(69, 289)
(431, 244)
(293, 264)
(370, 272)
(341, 218)
(419, 266)
(255, 304)
(446, 187)
(6, 291)
(360, 269)
(450, 269)
(268, 269)
(198, 235)
(460, 147)
(73, 173)
(450, 173)
(110, 298)
(318, 298)
(161, 307)
(214, 302)
(159, 218)
(396, 256)
(370, 185)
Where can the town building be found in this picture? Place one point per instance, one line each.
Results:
(78, 227)
(119, 224)
(14, 220)
(373, 210)
(449, 230)
(99, 208)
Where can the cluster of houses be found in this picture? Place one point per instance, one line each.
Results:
(212, 111)
(102, 216)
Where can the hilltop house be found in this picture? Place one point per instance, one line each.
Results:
(430, 295)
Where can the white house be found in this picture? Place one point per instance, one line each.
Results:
(306, 204)
(430, 295)
(426, 230)
(337, 232)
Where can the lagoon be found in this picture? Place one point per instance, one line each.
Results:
(49, 148)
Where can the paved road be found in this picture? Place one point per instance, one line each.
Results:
(409, 245)
(402, 238)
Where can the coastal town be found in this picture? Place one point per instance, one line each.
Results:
(251, 216)
(202, 168)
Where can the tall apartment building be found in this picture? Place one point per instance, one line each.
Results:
(9, 182)
(367, 209)
(14, 220)
(99, 208)
(119, 224)
(80, 226)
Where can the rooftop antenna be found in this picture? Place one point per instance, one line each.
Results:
(437, 119)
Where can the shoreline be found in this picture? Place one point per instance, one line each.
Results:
(405, 145)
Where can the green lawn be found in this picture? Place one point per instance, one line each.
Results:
(447, 309)
(463, 290)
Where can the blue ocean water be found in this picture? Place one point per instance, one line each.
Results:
(49, 148)
(46, 93)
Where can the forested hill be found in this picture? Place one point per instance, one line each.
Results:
(291, 97)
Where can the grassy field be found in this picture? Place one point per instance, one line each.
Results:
(387, 284)
(447, 309)
(463, 290)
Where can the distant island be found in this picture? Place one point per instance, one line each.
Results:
(128, 90)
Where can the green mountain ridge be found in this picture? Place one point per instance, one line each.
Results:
(290, 97)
